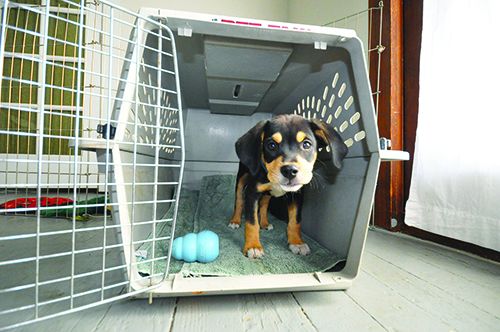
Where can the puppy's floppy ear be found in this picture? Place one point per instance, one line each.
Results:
(327, 136)
(249, 147)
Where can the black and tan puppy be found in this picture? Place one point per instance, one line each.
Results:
(277, 158)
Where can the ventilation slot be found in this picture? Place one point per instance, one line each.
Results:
(236, 90)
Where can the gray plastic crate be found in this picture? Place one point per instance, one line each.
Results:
(235, 72)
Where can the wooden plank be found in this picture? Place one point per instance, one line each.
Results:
(482, 272)
(389, 202)
(84, 321)
(412, 38)
(453, 243)
(130, 315)
(138, 315)
(199, 314)
(436, 302)
(335, 311)
(259, 312)
(390, 309)
(454, 255)
(463, 259)
(474, 281)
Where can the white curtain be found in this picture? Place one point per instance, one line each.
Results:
(455, 185)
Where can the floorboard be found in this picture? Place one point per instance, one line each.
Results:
(140, 316)
(255, 312)
(431, 299)
(390, 309)
(126, 316)
(404, 284)
(335, 311)
(477, 284)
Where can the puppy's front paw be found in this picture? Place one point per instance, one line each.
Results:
(267, 227)
(233, 225)
(254, 253)
(300, 249)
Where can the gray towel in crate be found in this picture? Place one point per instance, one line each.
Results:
(213, 211)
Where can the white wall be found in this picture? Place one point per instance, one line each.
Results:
(321, 12)
(275, 10)
(317, 12)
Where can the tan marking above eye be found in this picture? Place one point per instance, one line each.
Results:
(301, 136)
(277, 137)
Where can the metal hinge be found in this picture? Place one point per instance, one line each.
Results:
(185, 32)
(320, 45)
(385, 143)
(103, 130)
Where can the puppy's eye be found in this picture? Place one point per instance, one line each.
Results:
(272, 146)
(306, 145)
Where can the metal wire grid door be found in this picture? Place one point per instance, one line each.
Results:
(91, 155)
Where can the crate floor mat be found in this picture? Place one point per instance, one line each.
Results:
(211, 209)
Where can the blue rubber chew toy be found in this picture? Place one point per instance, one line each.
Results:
(202, 247)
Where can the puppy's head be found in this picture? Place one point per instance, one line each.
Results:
(286, 147)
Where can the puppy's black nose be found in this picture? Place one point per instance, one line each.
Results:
(289, 171)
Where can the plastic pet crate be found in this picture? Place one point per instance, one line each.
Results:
(234, 72)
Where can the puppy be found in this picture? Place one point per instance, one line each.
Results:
(277, 158)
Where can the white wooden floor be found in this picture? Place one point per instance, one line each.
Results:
(404, 285)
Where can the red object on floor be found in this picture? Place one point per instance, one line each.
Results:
(31, 202)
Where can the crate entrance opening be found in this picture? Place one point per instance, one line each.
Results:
(211, 208)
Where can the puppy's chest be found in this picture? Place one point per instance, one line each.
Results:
(277, 191)
(273, 189)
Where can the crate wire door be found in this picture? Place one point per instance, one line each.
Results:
(117, 70)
